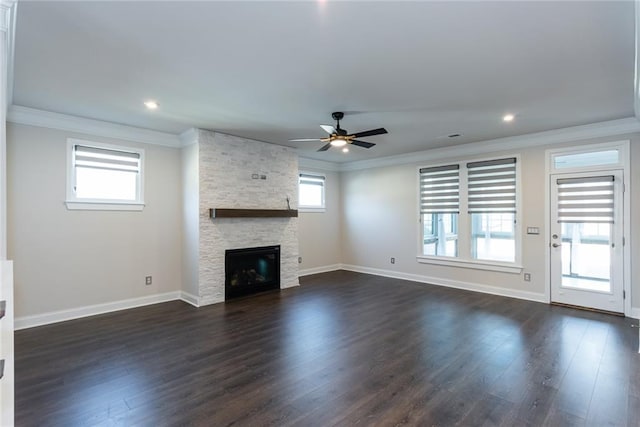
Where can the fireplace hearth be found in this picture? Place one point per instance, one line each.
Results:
(251, 270)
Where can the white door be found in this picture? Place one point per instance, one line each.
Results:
(586, 240)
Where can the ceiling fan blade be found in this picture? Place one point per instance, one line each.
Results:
(328, 129)
(325, 147)
(305, 139)
(362, 143)
(371, 132)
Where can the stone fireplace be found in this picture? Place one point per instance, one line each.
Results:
(227, 172)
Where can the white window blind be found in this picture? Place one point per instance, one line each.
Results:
(440, 189)
(588, 199)
(311, 191)
(101, 158)
(492, 186)
(101, 176)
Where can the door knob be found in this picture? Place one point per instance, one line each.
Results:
(556, 245)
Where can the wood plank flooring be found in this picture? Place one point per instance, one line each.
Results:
(342, 349)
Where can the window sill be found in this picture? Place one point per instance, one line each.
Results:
(104, 206)
(303, 209)
(476, 265)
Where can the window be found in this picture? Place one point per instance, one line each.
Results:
(487, 233)
(439, 208)
(584, 159)
(311, 192)
(104, 176)
(492, 207)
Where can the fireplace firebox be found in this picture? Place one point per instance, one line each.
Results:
(251, 270)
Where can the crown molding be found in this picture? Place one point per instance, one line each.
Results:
(8, 9)
(47, 119)
(188, 137)
(307, 163)
(636, 79)
(551, 137)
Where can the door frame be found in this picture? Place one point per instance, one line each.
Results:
(625, 165)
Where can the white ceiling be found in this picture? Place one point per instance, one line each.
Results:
(273, 71)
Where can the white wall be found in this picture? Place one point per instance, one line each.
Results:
(69, 259)
(381, 221)
(320, 233)
(190, 219)
(227, 165)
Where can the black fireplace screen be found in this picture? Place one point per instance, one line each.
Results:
(251, 270)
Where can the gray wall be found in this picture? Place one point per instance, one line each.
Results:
(381, 221)
(320, 233)
(68, 259)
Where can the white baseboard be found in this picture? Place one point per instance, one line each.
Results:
(635, 312)
(91, 310)
(316, 270)
(468, 286)
(190, 298)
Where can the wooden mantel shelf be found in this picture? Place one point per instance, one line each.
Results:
(253, 213)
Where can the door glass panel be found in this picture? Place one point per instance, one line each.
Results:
(586, 256)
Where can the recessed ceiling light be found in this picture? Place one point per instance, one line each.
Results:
(345, 150)
(508, 117)
(151, 105)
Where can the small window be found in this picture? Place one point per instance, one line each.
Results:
(592, 158)
(311, 192)
(104, 177)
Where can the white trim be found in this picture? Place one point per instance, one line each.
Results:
(25, 322)
(464, 258)
(50, 120)
(8, 11)
(473, 264)
(189, 137)
(317, 270)
(468, 286)
(550, 137)
(306, 208)
(636, 77)
(625, 155)
(75, 203)
(101, 206)
(190, 298)
(635, 313)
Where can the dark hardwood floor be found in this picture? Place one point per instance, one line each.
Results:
(342, 349)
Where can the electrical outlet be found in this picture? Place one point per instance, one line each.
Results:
(147, 280)
(299, 260)
(527, 277)
(393, 260)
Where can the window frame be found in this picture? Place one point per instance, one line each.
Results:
(75, 203)
(308, 208)
(464, 258)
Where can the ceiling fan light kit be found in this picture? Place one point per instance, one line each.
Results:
(339, 137)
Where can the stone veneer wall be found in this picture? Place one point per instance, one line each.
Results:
(226, 165)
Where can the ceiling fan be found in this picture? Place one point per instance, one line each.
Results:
(339, 137)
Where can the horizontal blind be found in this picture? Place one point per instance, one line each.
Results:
(307, 179)
(440, 189)
(492, 186)
(587, 199)
(101, 158)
